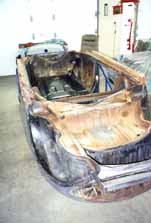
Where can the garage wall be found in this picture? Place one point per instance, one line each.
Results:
(73, 18)
(144, 20)
(67, 19)
(13, 23)
(109, 26)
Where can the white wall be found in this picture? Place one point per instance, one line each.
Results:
(144, 20)
(129, 14)
(13, 23)
(109, 26)
(73, 19)
(114, 30)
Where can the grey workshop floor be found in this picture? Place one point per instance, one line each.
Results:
(25, 195)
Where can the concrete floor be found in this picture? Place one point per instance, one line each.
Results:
(25, 195)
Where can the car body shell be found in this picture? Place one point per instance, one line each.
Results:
(78, 135)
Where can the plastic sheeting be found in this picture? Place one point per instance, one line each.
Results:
(140, 61)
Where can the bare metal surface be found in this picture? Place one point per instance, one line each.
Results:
(124, 70)
(114, 121)
(25, 196)
(88, 125)
(114, 171)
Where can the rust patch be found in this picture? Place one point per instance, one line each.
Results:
(125, 113)
(89, 126)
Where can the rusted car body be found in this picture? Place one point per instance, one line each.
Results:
(86, 120)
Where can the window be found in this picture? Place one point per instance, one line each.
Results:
(106, 9)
